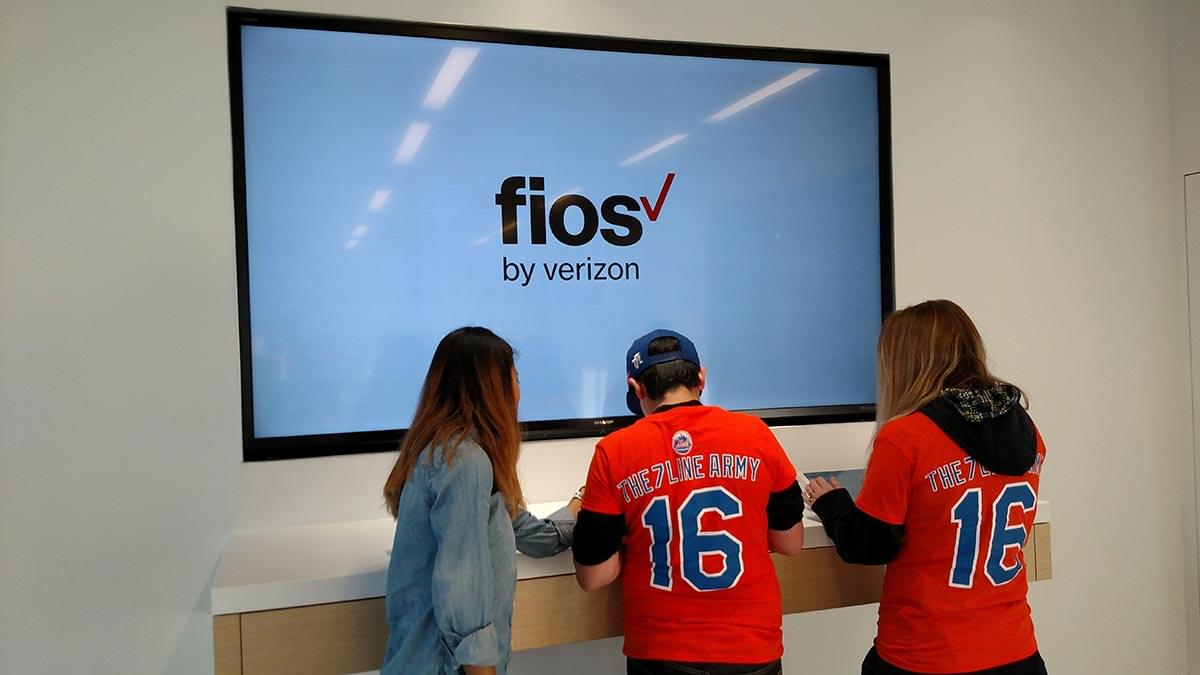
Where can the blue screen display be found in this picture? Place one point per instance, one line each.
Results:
(734, 200)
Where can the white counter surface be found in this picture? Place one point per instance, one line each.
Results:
(273, 569)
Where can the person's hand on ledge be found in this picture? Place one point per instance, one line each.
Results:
(817, 488)
(576, 503)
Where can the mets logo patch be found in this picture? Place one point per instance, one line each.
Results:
(681, 442)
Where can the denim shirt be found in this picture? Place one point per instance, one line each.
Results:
(453, 570)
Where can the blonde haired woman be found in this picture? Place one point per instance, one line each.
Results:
(947, 502)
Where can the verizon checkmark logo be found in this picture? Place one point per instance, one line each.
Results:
(652, 212)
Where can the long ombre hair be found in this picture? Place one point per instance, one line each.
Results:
(922, 350)
(469, 395)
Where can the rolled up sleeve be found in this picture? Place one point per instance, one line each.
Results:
(462, 567)
(541, 537)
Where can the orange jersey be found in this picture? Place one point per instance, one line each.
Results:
(954, 596)
(692, 484)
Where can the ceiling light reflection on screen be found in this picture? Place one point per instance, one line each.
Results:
(380, 198)
(482, 240)
(412, 142)
(773, 88)
(448, 77)
(359, 232)
(351, 245)
(654, 148)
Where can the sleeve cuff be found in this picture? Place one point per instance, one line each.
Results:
(541, 538)
(832, 502)
(566, 533)
(598, 537)
(785, 507)
(480, 648)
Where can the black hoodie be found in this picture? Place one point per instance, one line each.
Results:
(988, 424)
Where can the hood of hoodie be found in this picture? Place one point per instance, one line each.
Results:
(989, 425)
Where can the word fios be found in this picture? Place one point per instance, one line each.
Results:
(625, 228)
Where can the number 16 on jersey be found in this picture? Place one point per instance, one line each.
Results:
(967, 515)
(694, 544)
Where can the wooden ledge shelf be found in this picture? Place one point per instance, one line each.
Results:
(350, 636)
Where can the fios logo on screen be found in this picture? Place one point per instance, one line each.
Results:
(622, 229)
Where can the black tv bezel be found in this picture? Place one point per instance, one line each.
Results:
(318, 445)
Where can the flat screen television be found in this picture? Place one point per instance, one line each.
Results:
(396, 180)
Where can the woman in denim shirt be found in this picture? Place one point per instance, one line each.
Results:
(460, 515)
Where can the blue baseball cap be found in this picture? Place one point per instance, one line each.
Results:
(638, 359)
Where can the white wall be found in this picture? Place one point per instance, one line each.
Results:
(1033, 163)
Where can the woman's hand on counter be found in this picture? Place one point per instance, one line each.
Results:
(817, 488)
(576, 503)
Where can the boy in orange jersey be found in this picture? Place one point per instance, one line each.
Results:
(699, 495)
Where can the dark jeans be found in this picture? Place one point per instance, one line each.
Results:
(640, 667)
(873, 665)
